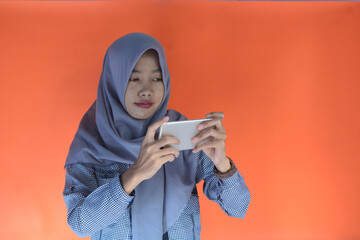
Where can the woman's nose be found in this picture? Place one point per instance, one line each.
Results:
(146, 92)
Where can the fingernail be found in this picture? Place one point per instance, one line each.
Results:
(200, 127)
(194, 139)
(194, 150)
(208, 115)
(166, 118)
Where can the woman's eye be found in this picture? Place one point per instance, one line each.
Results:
(157, 79)
(133, 79)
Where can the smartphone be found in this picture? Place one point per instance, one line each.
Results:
(182, 130)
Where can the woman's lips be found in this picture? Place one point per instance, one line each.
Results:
(144, 104)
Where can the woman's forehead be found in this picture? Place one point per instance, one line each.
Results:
(150, 53)
(149, 60)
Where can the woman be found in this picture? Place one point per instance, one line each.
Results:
(124, 183)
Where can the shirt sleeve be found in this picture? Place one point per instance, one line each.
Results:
(231, 193)
(93, 206)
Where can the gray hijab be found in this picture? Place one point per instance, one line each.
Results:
(108, 134)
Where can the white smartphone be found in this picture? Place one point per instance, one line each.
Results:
(182, 130)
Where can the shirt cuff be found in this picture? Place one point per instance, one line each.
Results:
(227, 174)
(118, 193)
(228, 183)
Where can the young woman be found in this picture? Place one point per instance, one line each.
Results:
(124, 183)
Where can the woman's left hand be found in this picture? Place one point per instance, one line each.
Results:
(213, 146)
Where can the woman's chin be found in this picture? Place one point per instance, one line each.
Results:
(142, 114)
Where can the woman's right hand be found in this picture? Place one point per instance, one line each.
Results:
(153, 154)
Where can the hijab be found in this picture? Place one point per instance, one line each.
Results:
(107, 134)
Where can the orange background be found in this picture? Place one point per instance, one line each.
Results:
(286, 75)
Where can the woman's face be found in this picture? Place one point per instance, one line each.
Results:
(145, 89)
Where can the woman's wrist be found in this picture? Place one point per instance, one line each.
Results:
(224, 166)
(129, 180)
(230, 172)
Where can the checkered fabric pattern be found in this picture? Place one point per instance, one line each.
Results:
(99, 207)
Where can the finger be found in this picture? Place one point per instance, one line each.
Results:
(218, 144)
(166, 140)
(209, 132)
(215, 115)
(216, 122)
(167, 151)
(150, 134)
(167, 158)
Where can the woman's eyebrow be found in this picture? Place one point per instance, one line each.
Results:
(137, 71)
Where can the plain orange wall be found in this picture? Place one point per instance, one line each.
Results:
(286, 75)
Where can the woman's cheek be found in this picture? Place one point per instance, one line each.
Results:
(160, 90)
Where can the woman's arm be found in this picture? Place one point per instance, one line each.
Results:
(231, 193)
(92, 207)
(153, 154)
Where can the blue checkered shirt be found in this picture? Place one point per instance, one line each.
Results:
(99, 207)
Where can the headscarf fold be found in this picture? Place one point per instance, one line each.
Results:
(108, 134)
